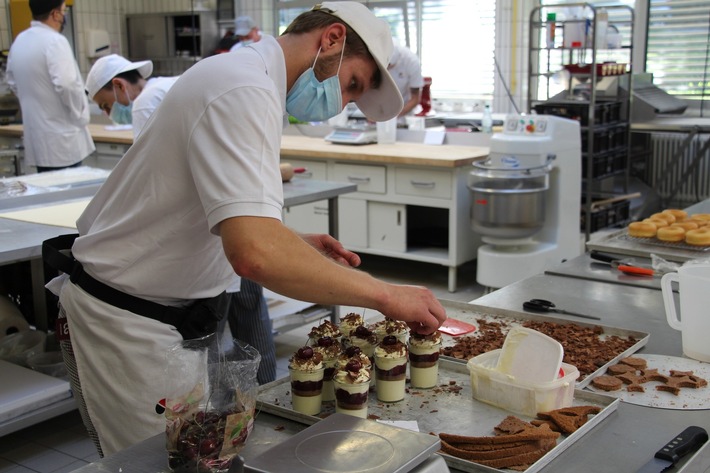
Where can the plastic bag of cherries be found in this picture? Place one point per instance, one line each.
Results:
(210, 405)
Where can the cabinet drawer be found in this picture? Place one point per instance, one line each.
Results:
(113, 149)
(313, 169)
(368, 178)
(423, 183)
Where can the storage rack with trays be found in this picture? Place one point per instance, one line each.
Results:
(604, 119)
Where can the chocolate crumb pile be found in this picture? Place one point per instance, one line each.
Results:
(584, 347)
(632, 372)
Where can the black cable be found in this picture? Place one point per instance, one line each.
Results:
(505, 86)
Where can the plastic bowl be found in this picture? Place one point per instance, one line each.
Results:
(17, 347)
(50, 362)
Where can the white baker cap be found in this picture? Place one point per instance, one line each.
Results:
(108, 67)
(243, 25)
(384, 102)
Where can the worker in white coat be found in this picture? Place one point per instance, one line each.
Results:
(42, 72)
(406, 71)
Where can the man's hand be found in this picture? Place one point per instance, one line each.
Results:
(415, 305)
(332, 248)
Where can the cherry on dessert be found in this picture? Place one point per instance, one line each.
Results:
(389, 340)
(353, 365)
(362, 331)
(325, 341)
(353, 351)
(305, 353)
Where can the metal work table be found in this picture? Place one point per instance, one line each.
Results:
(584, 267)
(630, 437)
(622, 442)
(22, 241)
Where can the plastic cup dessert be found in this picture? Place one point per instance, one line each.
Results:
(349, 323)
(330, 350)
(391, 327)
(424, 359)
(306, 370)
(390, 369)
(354, 352)
(366, 340)
(352, 384)
(325, 329)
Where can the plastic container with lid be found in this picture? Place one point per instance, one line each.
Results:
(17, 347)
(493, 387)
(50, 363)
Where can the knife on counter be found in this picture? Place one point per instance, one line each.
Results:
(679, 446)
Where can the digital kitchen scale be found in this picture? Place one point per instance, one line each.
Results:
(361, 135)
(344, 443)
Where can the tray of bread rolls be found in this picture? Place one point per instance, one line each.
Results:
(672, 234)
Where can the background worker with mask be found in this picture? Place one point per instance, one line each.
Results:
(43, 74)
(125, 91)
(199, 197)
(245, 33)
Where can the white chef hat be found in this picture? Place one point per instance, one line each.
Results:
(384, 102)
(108, 67)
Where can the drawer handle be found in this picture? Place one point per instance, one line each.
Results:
(424, 185)
(358, 179)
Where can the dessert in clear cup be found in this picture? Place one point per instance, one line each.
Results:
(349, 323)
(306, 370)
(352, 383)
(330, 350)
(390, 369)
(365, 339)
(356, 352)
(391, 327)
(424, 359)
(325, 329)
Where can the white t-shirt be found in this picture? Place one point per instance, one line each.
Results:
(209, 152)
(150, 97)
(406, 71)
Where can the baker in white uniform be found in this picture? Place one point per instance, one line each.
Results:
(43, 74)
(125, 91)
(199, 197)
(114, 76)
(407, 74)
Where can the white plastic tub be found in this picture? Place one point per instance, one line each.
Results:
(493, 387)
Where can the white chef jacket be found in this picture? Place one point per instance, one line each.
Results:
(406, 71)
(150, 97)
(210, 151)
(42, 72)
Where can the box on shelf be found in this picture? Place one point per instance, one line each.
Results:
(605, 164)
(608, 215)
(493, 387)
(606, 112)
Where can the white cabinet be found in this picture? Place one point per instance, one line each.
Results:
(313, 217)
(107, 155)
(412, 212)
(387, 226)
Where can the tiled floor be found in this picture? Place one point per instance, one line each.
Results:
(61, 444)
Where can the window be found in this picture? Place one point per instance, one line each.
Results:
(678, 42)
(454, 39)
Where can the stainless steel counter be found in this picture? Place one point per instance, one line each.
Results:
(630, 437)
(623, 442)
(584, 267)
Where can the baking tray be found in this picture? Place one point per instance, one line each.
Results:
(620, 243)
(449, 408)
(472, 312)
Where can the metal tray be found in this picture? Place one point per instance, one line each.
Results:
(471, 312)
(620, 243)
(449, 408)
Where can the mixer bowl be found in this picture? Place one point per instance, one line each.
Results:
(508, 203)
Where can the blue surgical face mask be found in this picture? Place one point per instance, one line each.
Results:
(121, 114)
(313, 101)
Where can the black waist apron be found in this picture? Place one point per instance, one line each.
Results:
(194, 321)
